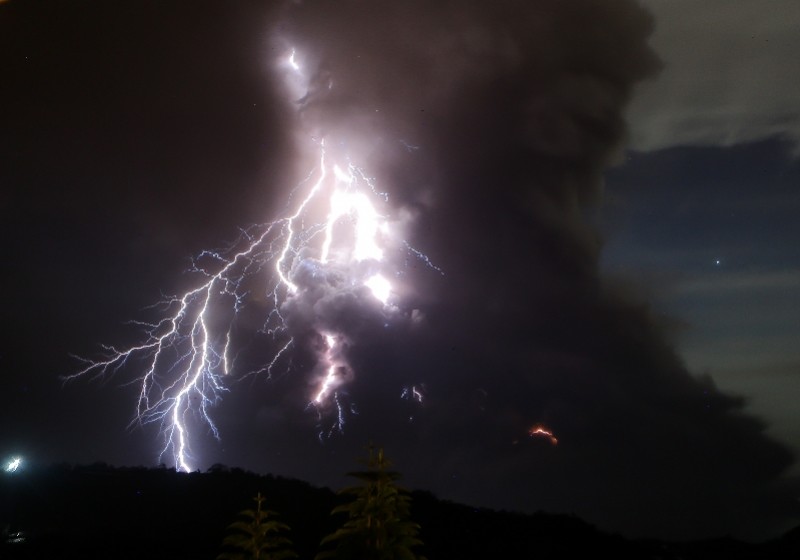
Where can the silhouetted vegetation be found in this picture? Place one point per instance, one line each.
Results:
(378, 524)
(99, 511)
(257, 535)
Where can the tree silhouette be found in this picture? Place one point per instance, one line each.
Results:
(378, 526)
(257, 536)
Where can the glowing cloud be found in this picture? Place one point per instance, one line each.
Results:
(336, 235)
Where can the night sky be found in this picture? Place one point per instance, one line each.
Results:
(606, 192)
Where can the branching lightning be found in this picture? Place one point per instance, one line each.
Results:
(334, 227)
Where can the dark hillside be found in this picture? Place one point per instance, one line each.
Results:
(99, 511)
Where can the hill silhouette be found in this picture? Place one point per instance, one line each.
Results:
(101, 511)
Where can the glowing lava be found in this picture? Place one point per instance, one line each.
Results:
(541, 431)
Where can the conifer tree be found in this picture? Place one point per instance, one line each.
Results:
(257, 535)
(378, 524)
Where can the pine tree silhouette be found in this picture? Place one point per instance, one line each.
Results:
(257, 535)
(378, 525)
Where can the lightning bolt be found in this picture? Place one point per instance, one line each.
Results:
(334, 227)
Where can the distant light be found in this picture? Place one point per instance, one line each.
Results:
(13, 464)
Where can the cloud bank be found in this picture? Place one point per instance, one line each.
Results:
(728, 79)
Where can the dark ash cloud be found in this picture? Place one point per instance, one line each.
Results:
(515, 112)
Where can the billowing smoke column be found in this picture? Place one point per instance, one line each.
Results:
(498, 367)
(493, 124)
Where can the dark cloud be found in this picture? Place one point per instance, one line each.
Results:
(727, 78)
(516, 114)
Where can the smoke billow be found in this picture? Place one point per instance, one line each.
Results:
(490, 125)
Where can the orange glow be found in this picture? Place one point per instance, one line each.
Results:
(539, 430)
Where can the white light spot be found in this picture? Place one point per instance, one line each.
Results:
(380, 287)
